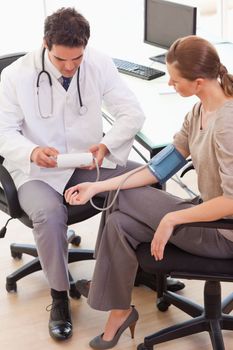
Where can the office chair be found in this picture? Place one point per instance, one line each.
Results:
(9, 204)
(214, 315)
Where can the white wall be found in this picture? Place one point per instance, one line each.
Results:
(21, 25)
(115, 24)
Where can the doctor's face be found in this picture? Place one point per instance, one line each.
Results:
(66, 59)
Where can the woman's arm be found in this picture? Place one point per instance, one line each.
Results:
(213, 209)
(81, 193)
(138, 177)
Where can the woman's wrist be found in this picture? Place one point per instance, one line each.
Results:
(170, 219)
(98, 187)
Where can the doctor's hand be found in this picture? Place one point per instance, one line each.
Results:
(161, 237)
(99, 152)
(81, 193)
(44, 157)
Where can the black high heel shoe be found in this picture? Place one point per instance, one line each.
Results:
(99, 343)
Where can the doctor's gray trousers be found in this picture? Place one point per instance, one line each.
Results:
(48, 212)
(132, 220)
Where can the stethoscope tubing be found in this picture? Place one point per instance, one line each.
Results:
(83, 109)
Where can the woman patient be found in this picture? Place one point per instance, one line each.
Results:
(145, 214)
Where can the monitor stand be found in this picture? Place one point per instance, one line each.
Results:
(159, 58)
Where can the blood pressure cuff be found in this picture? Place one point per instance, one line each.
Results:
(166, 163)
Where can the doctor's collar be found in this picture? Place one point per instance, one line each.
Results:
(52, 69)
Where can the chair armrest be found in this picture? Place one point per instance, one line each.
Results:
(10, 193)
(226, 224)
(187, 168)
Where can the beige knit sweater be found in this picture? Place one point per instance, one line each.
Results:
(211, 150)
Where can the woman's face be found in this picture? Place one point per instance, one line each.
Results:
(183, 86)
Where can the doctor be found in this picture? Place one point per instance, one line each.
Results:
(50, 103)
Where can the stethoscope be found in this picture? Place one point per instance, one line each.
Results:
(82, 109)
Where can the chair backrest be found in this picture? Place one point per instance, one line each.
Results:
(6, 60)
(8, 194)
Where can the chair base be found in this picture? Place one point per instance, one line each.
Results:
(150, 280)
(209, 318)
(75, 254)
(17, 250)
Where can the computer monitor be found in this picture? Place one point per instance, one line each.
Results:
(166, 21)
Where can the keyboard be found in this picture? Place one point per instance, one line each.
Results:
(137, 70)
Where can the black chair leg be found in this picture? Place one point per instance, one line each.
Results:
(75, 254)
(197, 325)
(79, 254)
(150, 280)
(227, 322)
(210, 318)
(227, 304)
(73, 292)
(216, 335)
(17, 250)
(182, 303)
(23, 271)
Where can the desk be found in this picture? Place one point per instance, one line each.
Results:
(165, 112)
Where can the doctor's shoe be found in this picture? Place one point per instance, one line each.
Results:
(60, 324)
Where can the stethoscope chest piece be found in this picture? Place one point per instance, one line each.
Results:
(83, 110)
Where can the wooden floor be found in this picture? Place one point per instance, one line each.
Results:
(24, 319)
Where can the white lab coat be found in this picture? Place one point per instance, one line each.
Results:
(22, 128)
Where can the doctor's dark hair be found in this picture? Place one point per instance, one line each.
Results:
(66, 27)
(195, 57)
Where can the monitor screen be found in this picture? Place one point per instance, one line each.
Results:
(166, 21)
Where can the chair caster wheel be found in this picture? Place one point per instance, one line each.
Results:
(142, 346)
(73, 238)
(162, 305)
(11, 287)
(73, 292)
(76, 241)
(16, 255)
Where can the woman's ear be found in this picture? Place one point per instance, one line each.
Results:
(199, 83)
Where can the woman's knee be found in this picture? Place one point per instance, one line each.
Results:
(120, 224)
(113, 221)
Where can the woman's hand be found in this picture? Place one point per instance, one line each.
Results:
(80, 194)
(161, 237)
